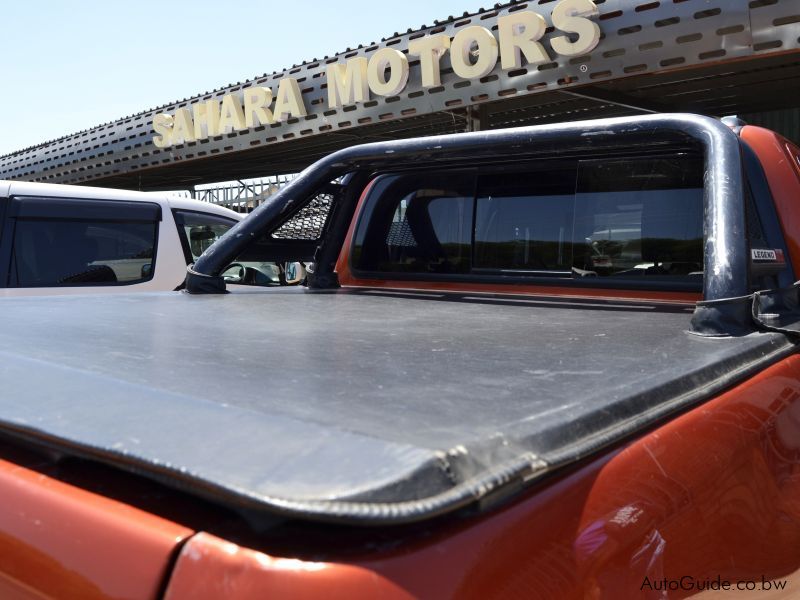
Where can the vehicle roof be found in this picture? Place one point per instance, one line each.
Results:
(208, 207)
(356, 406)
(25, 188)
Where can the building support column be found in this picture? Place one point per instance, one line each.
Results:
(477, 118)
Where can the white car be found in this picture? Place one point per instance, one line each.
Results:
(60, 239)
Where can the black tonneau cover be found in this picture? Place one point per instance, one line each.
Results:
(360, 407)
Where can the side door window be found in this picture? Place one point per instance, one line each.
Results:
(73, 242)
(198, 231)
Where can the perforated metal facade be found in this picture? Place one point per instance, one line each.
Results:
(707, 56)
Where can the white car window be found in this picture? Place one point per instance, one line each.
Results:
(54, 252)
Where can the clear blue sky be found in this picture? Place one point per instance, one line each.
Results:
(68, 66)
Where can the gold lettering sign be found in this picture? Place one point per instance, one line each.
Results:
(235, 112)
(474, 53)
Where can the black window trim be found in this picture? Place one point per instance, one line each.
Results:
(64, 209)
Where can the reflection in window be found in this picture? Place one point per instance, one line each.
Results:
(50, 252)
(640, 218)
(523, 222)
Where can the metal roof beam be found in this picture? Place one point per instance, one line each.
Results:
(622, 100)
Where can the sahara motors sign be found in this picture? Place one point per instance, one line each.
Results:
(474, 52)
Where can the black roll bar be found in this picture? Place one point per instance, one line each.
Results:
(726, 268)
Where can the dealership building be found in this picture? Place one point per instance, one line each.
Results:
(509, 65)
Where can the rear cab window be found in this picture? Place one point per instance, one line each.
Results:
(618, 221)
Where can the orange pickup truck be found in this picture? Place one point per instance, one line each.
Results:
(548, 362)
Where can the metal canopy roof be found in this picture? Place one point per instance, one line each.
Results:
(712, 57)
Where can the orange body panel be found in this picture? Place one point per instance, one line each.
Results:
(712, 493)
(210, 568)
(779, 157)
(59, 541)
(347, 279)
